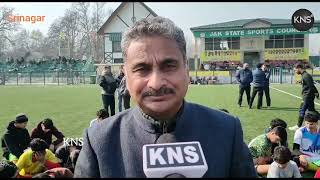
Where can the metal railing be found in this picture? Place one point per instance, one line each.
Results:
(47, 77)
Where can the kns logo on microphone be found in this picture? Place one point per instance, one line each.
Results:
(173, 155)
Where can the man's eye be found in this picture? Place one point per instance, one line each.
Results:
(139, 69)
(171, 66)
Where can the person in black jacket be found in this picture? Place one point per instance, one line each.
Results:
(244, 77)
(109, 86)
(309, 92)
(44, 130)
(259, 79)
(16, 139)
(266, 87)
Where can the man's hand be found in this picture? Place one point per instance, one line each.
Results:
(263, 160)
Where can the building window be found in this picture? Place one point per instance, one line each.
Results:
(269, 44)
(299, 42)
(116, 46)
(285, 41)
(288, 41)
(216, 43)
(208, 44)
(118, 60)
(278, 43)
(235, 43)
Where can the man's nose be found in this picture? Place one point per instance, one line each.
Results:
(156, 80)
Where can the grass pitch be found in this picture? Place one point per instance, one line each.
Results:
(73, 107)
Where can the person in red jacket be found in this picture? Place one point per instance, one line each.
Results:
(44, 130)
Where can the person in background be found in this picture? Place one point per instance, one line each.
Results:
(309, 92)
(274, 123)
(44, 130)
(59, 172)
(109, 86)
(306, 144)
(16, 139)
(259, 79)
(37, 159)
(100, 115)
(8, 169)
(244, 77)
(120, 97)
(266, 89)
(261, 148)
(125, 93)
(282, 165)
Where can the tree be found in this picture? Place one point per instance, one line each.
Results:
(7, 27)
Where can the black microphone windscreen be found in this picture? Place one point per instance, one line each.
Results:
(166, 138)
(175, 175)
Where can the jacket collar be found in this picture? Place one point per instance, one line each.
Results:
(152, 125)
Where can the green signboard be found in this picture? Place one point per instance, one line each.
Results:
(253, 32)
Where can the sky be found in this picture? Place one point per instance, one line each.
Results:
(184, 14)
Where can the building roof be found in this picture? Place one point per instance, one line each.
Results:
(242, 22)
(101, 32)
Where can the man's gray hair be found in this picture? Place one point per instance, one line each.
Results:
(154, 26)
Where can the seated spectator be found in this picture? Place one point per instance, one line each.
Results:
(261, 148)
(37, 159)
(8, 169)
(68, 156)
(59, 172)
(101, 115)
(16, 139)
(306, 143)
(274, 123)
(44, 130)
(282, 166)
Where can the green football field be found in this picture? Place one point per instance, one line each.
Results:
(73, 107)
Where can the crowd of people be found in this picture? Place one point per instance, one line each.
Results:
(155, 76)
(36, 155)
(234, 65)
(60, 63)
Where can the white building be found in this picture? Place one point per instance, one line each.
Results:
(121, 19)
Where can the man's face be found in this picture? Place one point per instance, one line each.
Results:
(264, 67)
(298, 70)
(44, 128)
(157, 77)
(311, 126)
(245, 65)
(21, 125)
(274, 138)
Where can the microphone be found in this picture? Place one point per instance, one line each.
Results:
(172, 159)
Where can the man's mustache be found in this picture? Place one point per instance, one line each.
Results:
(162, 91)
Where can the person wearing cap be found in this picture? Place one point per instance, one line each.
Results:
(306, 143)
(44, 130)
(37, 159)
(16, 139)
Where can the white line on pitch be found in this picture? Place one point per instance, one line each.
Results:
(290, 94)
